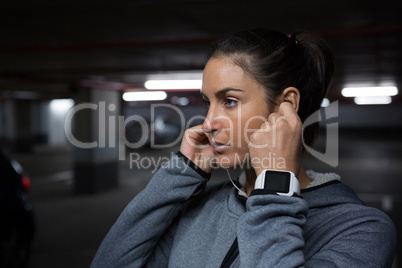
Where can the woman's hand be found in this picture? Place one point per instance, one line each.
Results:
(196, 147)
(277, 144)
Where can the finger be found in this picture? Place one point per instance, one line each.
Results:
(264, 127)
(197, 127)
(196, 130)
(197, 135)
(276, 119)
(286, 109)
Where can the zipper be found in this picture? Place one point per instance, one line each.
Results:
(231, 255)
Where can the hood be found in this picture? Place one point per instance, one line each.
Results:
(329, 194)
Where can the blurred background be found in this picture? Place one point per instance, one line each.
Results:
(65, 116)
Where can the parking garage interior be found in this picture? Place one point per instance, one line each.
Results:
(88, 149)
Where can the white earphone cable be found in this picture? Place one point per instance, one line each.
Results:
(227, 170)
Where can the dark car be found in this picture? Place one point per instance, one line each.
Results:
(16, 214)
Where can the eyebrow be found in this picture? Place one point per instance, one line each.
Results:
(223, 91)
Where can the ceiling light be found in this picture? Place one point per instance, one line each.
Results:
(325, 102)
(373, 100)
(144, 96)
(369, 91)
(61, 105)
(173, 84)
(175, 75)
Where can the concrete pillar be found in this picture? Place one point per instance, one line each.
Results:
(16, 123)
(95, 139)
(40, 113)
(2, 123)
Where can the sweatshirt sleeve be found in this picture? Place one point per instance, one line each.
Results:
(357, 236)
(270, 233)
(135, 235)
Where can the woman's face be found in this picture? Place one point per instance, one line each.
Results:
(236, 108)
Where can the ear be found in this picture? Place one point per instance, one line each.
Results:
(291, 95)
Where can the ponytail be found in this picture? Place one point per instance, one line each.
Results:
(320, 60)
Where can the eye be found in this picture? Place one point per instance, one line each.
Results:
(229, 102)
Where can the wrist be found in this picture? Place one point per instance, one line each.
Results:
(193, 165)
(274, 163)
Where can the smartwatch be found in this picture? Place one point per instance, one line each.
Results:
(278, 181)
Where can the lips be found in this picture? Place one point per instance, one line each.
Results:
(219, 147)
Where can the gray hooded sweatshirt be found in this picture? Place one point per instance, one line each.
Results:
(180, 221)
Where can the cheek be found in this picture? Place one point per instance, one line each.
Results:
(253, 125)
(242, 131)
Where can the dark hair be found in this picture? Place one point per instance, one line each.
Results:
(278, 61)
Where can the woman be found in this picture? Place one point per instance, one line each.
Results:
(259, 87)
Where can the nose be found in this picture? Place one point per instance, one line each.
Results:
(210, 124)
(207, 126)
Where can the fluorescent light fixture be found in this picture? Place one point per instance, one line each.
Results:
(174, 75)
(325, 102)
(61, 106)
(173, 84)
(373, 100)
(369, 91)
(144, 96)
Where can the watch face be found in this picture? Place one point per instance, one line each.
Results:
(277, 181)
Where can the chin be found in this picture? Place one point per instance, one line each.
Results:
(230, 160)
